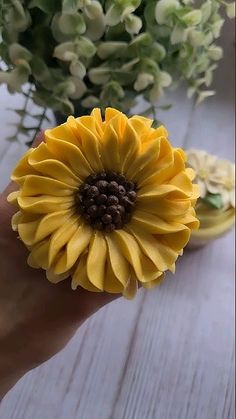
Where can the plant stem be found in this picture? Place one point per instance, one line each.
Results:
(27, 97)
(38, 128)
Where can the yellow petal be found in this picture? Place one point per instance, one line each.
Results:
(143, 267)
(182, 153)
(190, 173)
(22, 168)
(153, 224)
(40, 254)
(195, 194)
(40, 185)
(168, 209)
(34, 231)
(110, 149)
(71, 155)
(32, 262)
(111, 113)
(149, 193)
(61, 132)
(129, 146)
(169, 164)
(164, 208)
(16, 218)
(96, 114)
(177, 241)
(172, 267)
(54, 278)
(71, 122)
(145, 158)
(13, 198)
(76, 245)
(27, 232)
(155, 282)
(96, 260)
(111, 283)
(160, 168)
(61, 237)
(166, 255)
(45, 203)
(119, 264)
(161, 131)
(80, 277)
(131, 289)
(189, 219)
(150, 246)
(90, 142)
(183, 182)
(55, 169)
(141, 123)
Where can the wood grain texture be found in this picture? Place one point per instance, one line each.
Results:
(169, 354)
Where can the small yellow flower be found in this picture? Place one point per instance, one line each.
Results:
(107, 202)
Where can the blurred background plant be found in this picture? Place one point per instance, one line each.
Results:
(72, 55)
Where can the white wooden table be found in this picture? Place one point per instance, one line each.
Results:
(168, 354)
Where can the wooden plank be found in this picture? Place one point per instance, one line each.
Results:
(181, 364)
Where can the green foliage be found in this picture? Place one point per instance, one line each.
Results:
(213, 200)
(101, 53)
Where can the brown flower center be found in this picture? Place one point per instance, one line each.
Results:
(106, 200)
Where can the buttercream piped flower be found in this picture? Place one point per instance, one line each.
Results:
(108, 203)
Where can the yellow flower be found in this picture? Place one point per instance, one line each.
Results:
(107, 202)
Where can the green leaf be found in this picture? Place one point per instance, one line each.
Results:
(71, 23)
(113, 15)
(66, 107)
(213, 200)
(69, 5)
(99, 75)
(85, 47)
(39, 69)
(108, 49)
(65, 51)
(18, 52)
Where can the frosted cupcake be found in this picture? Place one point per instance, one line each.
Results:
(216, 205)
(106, 202)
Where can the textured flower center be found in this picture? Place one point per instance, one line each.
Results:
(106, 200)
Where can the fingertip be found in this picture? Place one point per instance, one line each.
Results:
(38, 139)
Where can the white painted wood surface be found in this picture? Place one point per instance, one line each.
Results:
(168, 354)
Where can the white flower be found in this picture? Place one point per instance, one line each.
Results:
(227, 189)
(209, 175)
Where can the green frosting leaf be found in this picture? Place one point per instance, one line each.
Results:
(213, 200)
